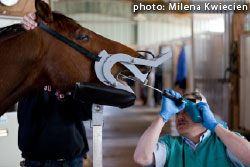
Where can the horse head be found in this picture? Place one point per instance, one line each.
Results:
(66, 65)
(32, 59)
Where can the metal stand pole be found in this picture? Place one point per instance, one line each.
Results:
(97, 124)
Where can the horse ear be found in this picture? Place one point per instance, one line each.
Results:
(43, 11)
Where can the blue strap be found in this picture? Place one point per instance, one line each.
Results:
(69, 42)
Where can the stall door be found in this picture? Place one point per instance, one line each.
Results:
(245, 82)
(211, 61)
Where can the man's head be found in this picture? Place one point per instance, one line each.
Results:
(184, 124)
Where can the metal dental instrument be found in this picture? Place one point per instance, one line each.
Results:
(190, 106)
(178, 101)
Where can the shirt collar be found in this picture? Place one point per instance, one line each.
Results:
(192, 144)
(204, 135)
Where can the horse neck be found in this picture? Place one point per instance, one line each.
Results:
(18, 59)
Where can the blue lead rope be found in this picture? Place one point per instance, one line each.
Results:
(69, 42)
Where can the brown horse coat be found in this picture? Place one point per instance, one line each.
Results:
(32, 59)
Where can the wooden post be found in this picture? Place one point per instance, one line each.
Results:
(238, 30)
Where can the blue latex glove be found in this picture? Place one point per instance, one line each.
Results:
(168, 107)
(209, 121)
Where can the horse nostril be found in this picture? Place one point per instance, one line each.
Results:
(140, 57)
(144, 69)
(148, 69)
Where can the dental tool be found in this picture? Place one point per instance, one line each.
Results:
(190, 106)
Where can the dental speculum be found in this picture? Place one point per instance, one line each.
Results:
(107, 61)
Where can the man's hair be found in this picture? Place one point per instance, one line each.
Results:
(194, 97)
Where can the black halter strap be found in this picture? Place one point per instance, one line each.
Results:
(69, 42)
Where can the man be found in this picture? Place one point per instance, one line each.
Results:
(206, 144)
(51, 132)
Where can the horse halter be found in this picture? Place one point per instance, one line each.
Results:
(104, 62)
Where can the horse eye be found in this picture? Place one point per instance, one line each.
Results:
(83, 38)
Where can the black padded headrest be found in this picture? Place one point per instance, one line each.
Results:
(103, 95)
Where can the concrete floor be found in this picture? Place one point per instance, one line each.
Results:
(122, 129)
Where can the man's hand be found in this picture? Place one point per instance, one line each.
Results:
(168, 107)
(208, 117)
(28, 21)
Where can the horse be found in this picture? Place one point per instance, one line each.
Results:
(32, 59)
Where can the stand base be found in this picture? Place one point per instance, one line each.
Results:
(97, 125)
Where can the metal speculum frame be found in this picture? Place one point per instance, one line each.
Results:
(104, 65)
